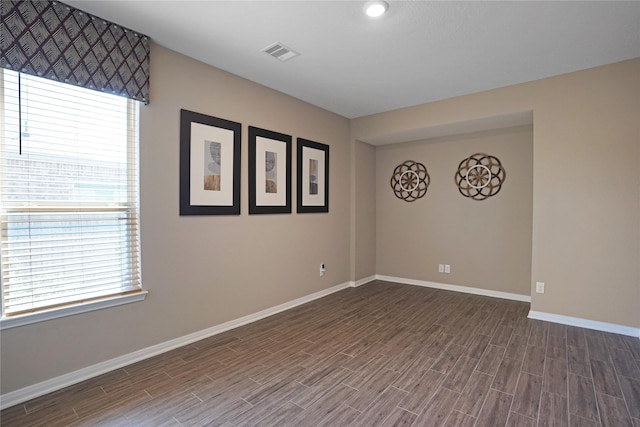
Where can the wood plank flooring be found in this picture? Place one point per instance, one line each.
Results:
(379, 355)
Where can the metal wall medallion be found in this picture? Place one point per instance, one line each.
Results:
(480, 176)
(410, 181)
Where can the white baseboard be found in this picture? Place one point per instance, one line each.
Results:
(456, 288)
(584, 323)
(364, 281)
(30, 392)
(549, 317)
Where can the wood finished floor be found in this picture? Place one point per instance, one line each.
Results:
(379, 355)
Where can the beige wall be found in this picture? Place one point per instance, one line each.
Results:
(201, 271)
(365, 210)
(487, 243)
(586, 176)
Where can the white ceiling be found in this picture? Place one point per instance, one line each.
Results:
(420, 51)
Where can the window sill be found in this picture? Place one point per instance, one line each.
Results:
(26, 319)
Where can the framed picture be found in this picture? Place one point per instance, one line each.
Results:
(269, 172)
(313, 176)
(209, 165)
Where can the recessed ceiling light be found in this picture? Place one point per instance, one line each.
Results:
(375, 8)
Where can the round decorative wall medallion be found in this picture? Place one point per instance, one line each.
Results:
(480, 176)
(410, 181)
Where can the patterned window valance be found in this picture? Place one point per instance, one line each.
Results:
(56, 41)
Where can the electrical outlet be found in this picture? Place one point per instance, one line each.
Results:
(440, 268)
(540, 287)
(447, 268)
(322, 269)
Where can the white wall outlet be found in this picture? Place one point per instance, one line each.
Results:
(322, 269)
(440, 268)
(540, 287)
(447, 268)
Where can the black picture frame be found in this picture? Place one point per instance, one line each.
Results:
(214, 144)
(266, 151)
(313, 197)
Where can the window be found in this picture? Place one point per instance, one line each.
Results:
(69, 211)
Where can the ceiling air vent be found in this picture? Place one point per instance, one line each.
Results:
(280, 51)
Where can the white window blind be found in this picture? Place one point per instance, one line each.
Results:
(69, 229)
